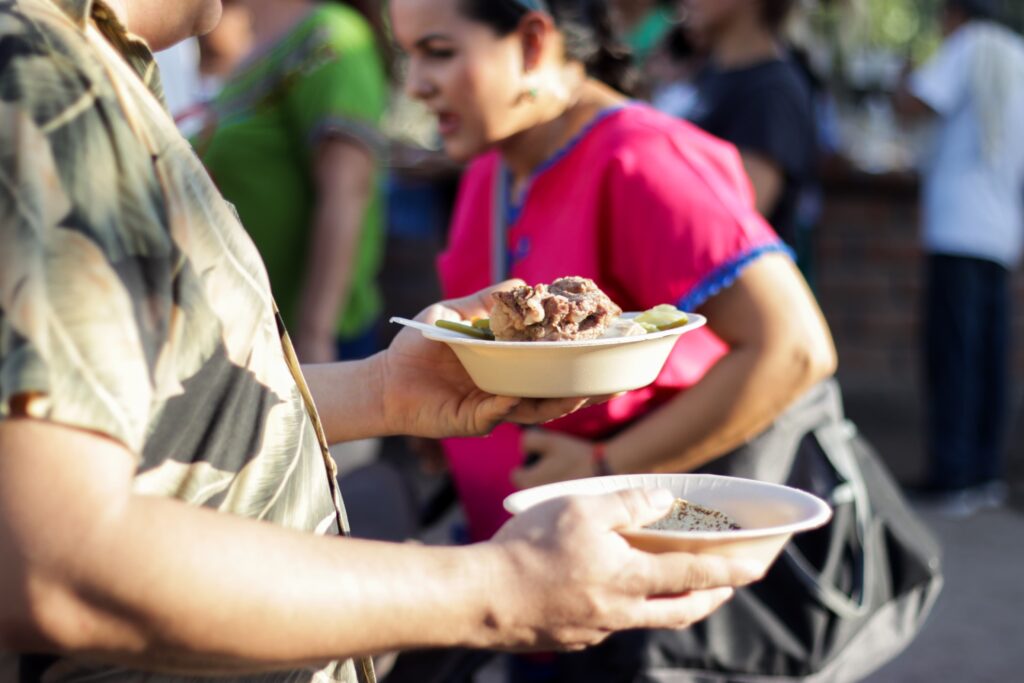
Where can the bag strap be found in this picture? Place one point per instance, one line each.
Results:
(834, 439)
(499, 224)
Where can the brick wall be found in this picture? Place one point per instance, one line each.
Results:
(870, 279)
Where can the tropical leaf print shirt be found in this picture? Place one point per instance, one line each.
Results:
(132, 302)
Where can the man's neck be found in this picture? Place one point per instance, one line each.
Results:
(743, 43)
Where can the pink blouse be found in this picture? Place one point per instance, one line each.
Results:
(654, 211)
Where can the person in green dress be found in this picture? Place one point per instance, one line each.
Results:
(293, 142)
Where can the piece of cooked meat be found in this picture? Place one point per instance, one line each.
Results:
(687, 516)
(570, 308)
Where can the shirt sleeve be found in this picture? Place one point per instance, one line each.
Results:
(682, 223)
(943, 82)
(71, 348)
(342, 89)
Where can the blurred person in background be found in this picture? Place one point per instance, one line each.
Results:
(752, 95)
(641, 25)
(224, 48)
(972, 92)
(216, 55)
(179, 76)
(673, 70)
(295, 145)
(568, 176)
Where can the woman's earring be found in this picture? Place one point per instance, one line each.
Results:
(532, 91)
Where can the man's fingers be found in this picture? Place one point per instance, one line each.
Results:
(537, 411)
(481, 303)
(629, 509)
(598, 400)
(678, 573)
(681, 612)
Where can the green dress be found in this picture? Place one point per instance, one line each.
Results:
(323, 78)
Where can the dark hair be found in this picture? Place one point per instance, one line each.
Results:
(585, 24)
(775, 12)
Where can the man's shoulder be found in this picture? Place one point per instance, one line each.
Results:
(36, 22)
(42, 53)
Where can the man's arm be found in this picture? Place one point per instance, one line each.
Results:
(418, 387)
(91, 570)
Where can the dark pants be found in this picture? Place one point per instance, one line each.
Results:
(967, 350)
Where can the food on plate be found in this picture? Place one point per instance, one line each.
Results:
(569, 309)
(687, 516)
(624, 327)
(662, 317)
(472, 330)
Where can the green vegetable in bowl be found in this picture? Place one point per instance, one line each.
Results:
(468, 330)
(661, 318)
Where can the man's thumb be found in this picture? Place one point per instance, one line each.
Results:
(641, 507)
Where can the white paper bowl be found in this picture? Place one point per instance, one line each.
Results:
(768, 514)
(596, 367)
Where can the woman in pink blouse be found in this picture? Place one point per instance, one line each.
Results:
(569, 177)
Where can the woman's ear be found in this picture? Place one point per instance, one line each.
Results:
(537, 32)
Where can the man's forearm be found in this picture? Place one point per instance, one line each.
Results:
(189, 590)
(350, 398)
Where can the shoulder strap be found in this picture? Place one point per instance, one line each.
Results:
(499, 224)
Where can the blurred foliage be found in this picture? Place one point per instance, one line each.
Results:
(860, 43)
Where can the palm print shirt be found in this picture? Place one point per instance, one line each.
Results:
(132, 303)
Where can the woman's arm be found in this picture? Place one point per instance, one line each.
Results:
(344, 173)
(767, 178)
(779, 346)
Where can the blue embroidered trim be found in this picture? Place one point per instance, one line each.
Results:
(725, 275)
(514, 210)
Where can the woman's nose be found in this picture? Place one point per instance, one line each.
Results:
(417, 85)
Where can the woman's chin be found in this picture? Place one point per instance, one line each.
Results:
(462, 151)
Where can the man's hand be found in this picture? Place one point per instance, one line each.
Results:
(561, 458)
(428, 393)
(575, 580)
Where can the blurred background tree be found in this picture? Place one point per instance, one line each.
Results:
(860, 49)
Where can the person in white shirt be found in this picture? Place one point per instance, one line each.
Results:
(973, 235)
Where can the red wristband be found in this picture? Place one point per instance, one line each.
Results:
(600, 462)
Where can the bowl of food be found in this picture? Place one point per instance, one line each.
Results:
(566, 339)
(718, 515)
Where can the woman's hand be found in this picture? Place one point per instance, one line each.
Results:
(426, 391)
(561, 457)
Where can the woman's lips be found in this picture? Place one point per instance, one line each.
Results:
(447, 123)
